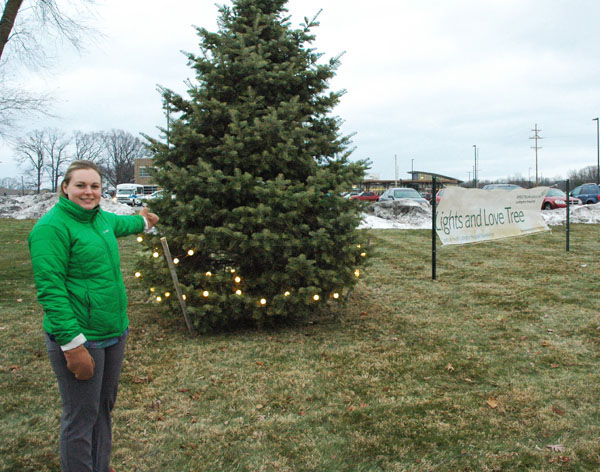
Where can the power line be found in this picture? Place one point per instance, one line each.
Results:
(536, 136)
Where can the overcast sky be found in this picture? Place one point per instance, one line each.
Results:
(425, 80)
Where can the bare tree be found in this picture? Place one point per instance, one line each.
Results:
(17, 104)
(28, 25)
(121, 150)
(582, 176)
(9, 15)
(10, 183)
(29, 30)
(57, 155)
(31, 152)
(89, 146)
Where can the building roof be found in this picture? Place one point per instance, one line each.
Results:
(428, 178)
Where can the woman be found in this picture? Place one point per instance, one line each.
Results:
(75, 258)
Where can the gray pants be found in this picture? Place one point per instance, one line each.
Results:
(86, 425)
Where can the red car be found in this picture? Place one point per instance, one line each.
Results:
(438, 196)
(556, 198)
(366, 196)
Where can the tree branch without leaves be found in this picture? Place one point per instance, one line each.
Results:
(29, 29)
(31, 152)
(32, 25)
(8, 21)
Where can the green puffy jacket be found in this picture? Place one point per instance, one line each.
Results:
(76, 266)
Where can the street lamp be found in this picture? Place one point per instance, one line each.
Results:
(597, 150)
(475, 168)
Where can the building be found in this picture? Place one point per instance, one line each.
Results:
(142, 174)
(420, 181)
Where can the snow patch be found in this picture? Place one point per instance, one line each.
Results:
(34, 206)
(398, 214)
(412, 215)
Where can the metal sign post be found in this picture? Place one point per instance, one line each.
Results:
(433, 225)
(169, 259)
(568, 218)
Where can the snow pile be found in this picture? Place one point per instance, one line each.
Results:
(398, 214)
(404, 214)
(586, 214)
(34, 206)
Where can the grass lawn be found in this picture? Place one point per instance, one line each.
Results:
(492, 367)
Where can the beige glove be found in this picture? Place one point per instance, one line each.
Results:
(151, 218)
(80, 362)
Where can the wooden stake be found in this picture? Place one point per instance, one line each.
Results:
(165, 246)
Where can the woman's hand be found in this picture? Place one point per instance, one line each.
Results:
(80, 362)
(151, 218)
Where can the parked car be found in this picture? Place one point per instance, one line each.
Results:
(587, 193)
(351, 194)
(366, 196)
(157, 194)
(153, 195)
(556, 198)
(500, 187)
(438, 195)
(398, 193)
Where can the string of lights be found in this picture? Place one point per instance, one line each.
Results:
(236, 279)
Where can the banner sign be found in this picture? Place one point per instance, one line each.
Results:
(473, 215)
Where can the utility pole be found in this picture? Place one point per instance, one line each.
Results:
(395, 170)
(536, 136)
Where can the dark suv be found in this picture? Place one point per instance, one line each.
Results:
(587, 193)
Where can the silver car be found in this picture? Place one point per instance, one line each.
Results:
(500, 187)
(401, 192)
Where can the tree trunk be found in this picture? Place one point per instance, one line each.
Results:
(7, 22)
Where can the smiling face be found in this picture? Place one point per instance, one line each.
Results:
(84, 188)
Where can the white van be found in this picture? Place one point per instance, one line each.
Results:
(130, 194)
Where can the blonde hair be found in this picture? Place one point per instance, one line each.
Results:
(77, 165)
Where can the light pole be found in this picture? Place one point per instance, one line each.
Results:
(475, 168)
(597, 150)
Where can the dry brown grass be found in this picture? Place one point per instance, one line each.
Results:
(480, 370)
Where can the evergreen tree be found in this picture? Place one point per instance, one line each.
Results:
(256, 164)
